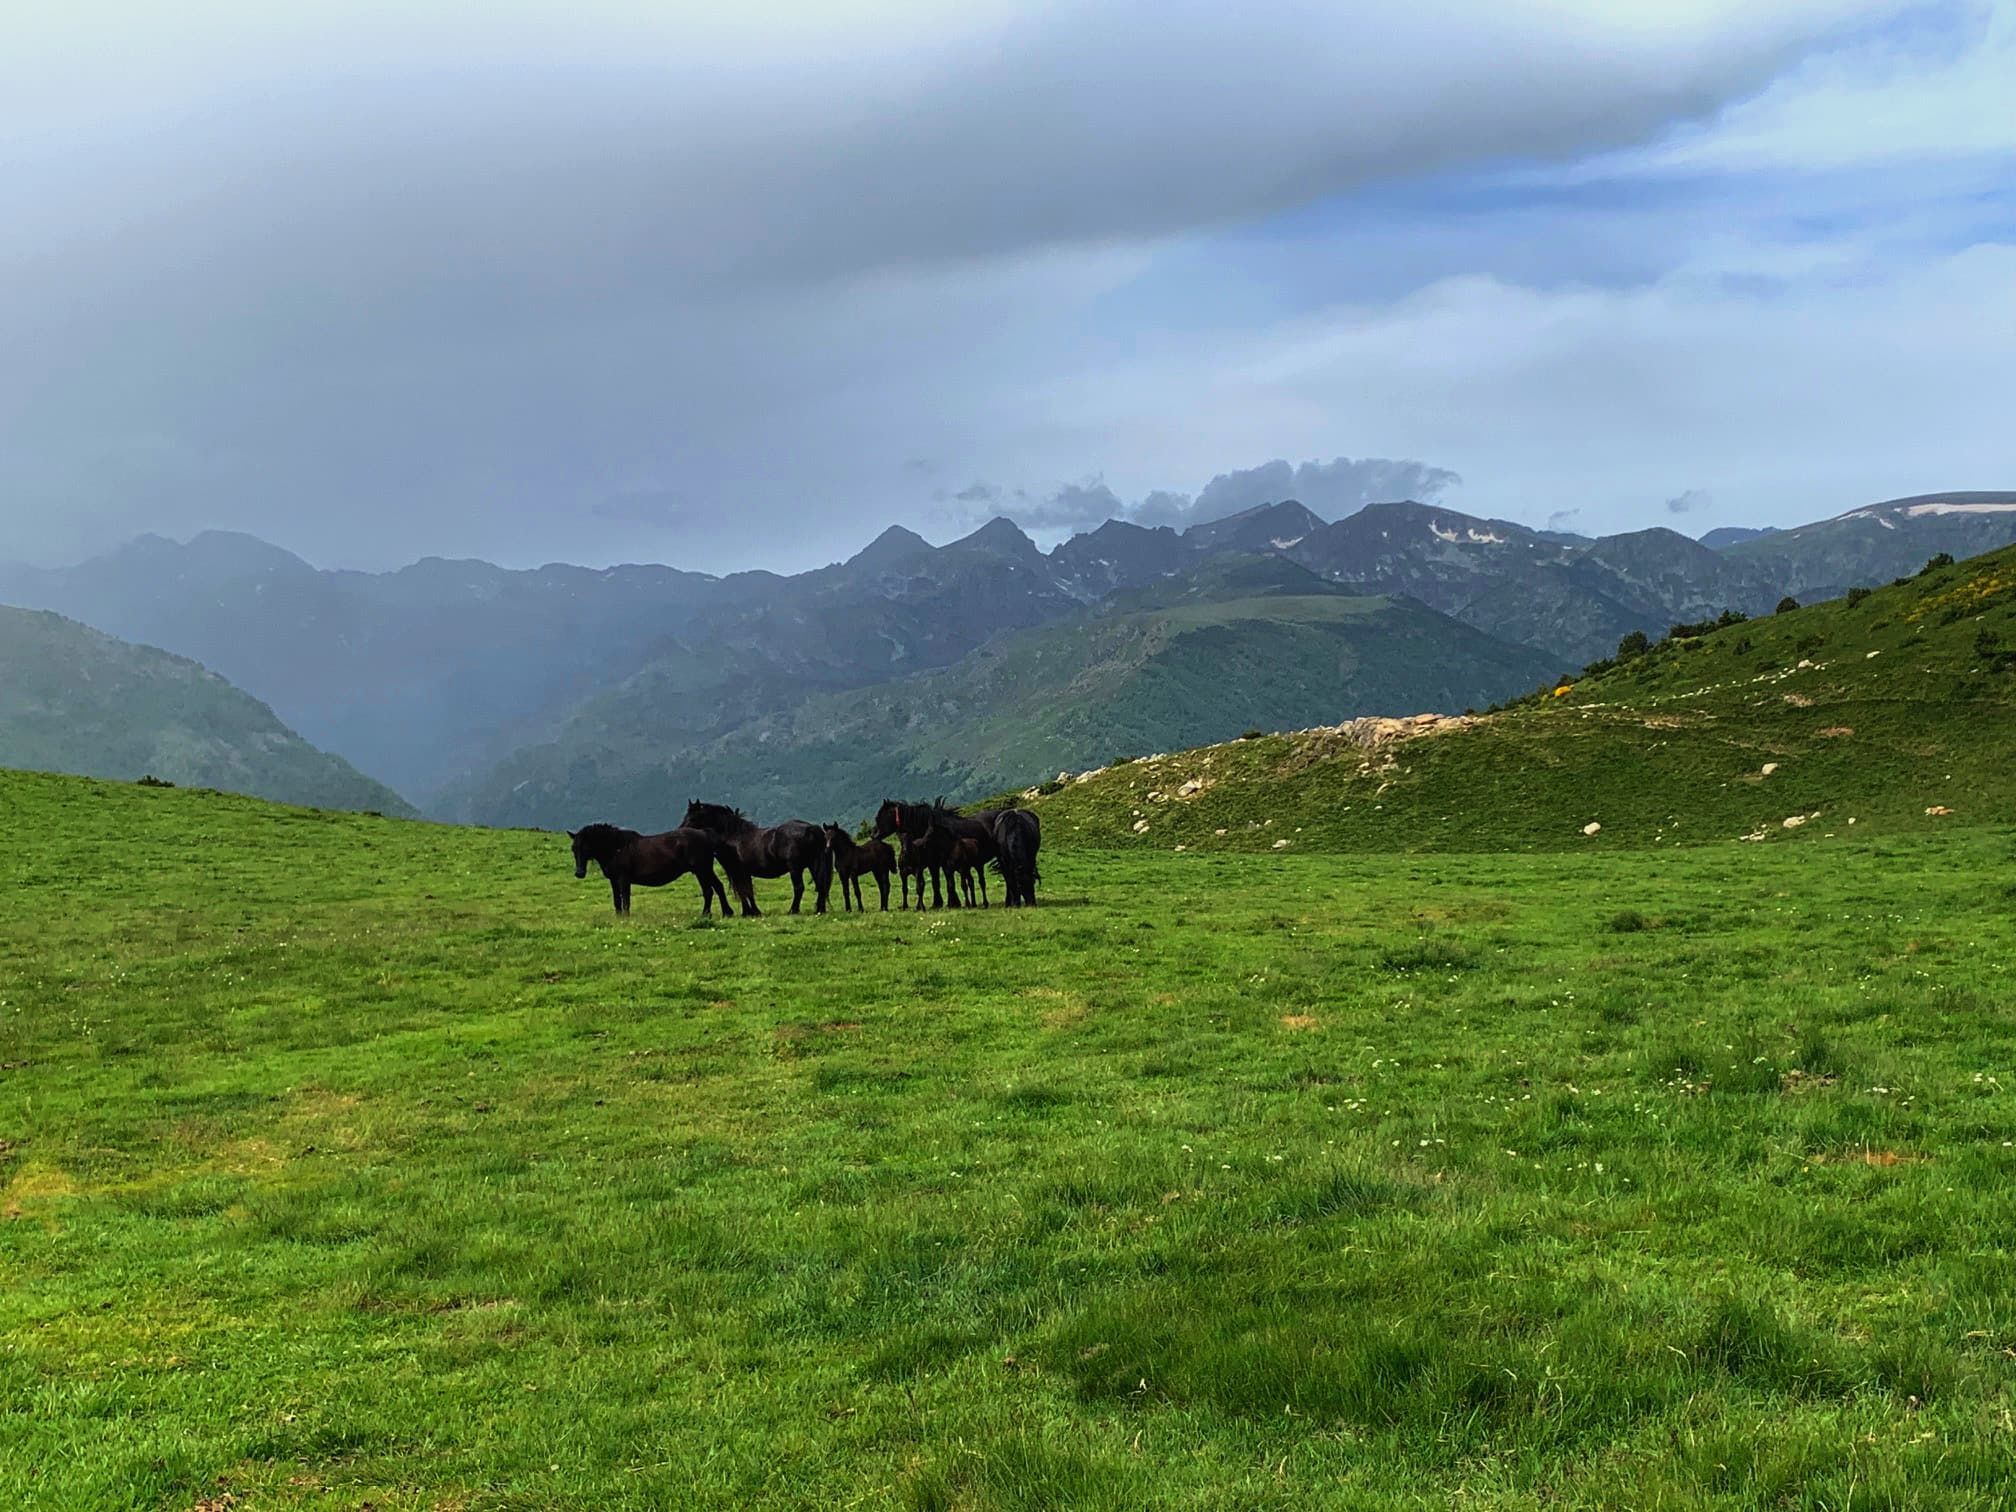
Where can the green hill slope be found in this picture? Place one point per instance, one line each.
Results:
(1176, 666)
(73, 700)
(1871, 713)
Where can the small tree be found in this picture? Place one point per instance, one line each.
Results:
(1944, 559)
(1856, 595)
(1633, 646)
(1787, 604)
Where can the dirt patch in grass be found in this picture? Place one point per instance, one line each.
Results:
(1299, 1021)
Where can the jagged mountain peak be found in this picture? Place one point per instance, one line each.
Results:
(1276, 526)
(1001, 536)
(892, 548)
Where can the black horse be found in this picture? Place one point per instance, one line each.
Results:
(628, 858)
(909, 864)
(965, 862)
(1017, 835)
(932, 831)
(851, 862)
(747, 851)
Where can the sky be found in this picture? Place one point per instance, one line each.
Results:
(740, 285)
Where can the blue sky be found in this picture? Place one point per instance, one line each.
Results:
(739, 286)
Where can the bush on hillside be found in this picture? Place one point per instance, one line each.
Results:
(1787, 604)
(1944, 559)
(1633, 646)
(1721, 621)
(1856, 595)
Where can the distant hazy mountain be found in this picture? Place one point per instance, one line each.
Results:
(445, 678)
(75, 700)
(1246, 642)
(1725, 536)
(1868, 547)
(415, 675)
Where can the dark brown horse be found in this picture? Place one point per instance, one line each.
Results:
(910, 863)
(966, 862)
(748, 850)
(851, 862)
(1017, 836)
(629, 859)
(933, 831)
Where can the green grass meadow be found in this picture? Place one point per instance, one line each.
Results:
(347, 1160)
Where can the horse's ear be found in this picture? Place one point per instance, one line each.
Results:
(573, 834)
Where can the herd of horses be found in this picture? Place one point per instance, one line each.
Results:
(951, 850)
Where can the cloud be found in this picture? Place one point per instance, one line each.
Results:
(381, 279)
(1561, 519)
(1686, 503)
(1331, 489)
(1076, 506)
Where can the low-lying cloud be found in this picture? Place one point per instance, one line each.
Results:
(1332, 489)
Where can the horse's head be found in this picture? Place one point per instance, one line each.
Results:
(583, 852)
(889, 819)
(716, 818)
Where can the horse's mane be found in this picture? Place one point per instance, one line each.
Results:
(720, 811)
(599, 834)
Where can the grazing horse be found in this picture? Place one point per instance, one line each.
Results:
(1017, 834)
(850, 861)
(628, 858)
(747, 851)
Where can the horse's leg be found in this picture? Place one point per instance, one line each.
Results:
(616, 896)
(797, 888)
(982, 869)
(881, 882)
(625, 909)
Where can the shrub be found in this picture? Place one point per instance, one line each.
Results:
(1251, 734)
(150, 780)
(1721, 621)
(1787, 604)
(1633, 646)
(1628, 921)
(1944, 559)
(1856, 595)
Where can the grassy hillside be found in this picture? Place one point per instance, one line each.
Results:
(73, 700)
(1874, 711)
(347, 1161)
(1253, 643)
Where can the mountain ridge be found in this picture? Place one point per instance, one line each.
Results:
(75, 700)
(434, 675)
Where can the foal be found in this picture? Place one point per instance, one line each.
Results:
(850, 861)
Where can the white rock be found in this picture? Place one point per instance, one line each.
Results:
(1591, 828)
(1769, 767)
(1140, 826)
(1794, 821)
(1281, 844)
